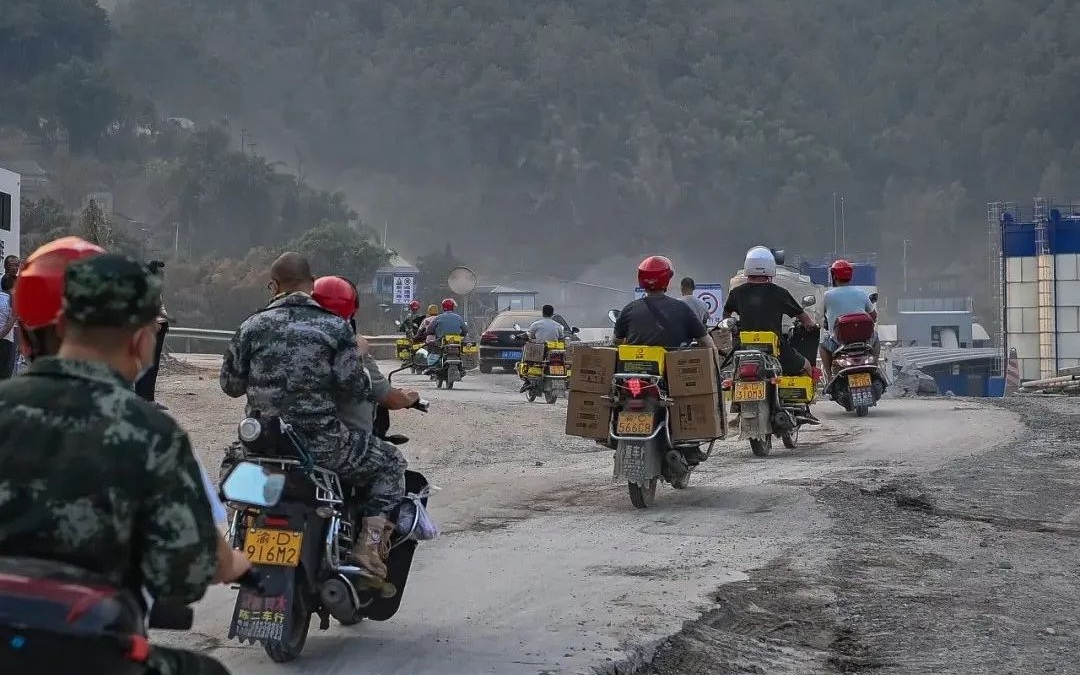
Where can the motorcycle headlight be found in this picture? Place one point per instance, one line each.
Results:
(249, 430)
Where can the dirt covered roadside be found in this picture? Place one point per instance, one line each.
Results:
(973, 568)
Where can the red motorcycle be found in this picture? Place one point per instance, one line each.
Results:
(857, 382)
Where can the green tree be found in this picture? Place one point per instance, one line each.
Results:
(336, 249)
(41, 221)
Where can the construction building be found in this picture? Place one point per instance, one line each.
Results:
(1035, 267)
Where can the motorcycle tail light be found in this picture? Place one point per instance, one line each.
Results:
(749, 371)
(555, 359)
(635, 387)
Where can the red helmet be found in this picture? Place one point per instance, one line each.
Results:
(654, 273)
(336, 295)
(449, 305)
(39, 289)
(842, 271)
(414, 306)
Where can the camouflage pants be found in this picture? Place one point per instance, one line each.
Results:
(366, 462)
(167, 661)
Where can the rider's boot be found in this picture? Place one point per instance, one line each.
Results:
(371, 552)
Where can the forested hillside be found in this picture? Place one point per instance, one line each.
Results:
(643, 122)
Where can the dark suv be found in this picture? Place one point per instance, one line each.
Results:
(499, 349)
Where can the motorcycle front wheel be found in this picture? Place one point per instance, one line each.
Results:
(789, 441)
(642, 498)
(550, 397)
(531, 395)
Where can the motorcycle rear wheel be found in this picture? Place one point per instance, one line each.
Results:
(642, 498)
(550, 397)
(761, 447)
(289, 648)
(449, 384)
(789, 441)
(862, 411)
(530, 394)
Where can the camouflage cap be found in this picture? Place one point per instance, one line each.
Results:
(111, 290)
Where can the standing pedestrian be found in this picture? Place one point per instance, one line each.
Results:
(146, 386)
(701, 310)
(7, 328)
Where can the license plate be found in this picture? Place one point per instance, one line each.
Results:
(512, 355)
(634, 423)
(857, 380)
(557, 370)
(749, 391)
(862, 396)
(273, 547)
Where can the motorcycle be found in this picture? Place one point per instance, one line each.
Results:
(447, 366)
(856, 382)
(407, 347)
(296, 524)
(640, 429)
(769, 403)
(53, 615)
(543, 368)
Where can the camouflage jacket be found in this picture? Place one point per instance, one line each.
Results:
(93, 476)
(298, 361)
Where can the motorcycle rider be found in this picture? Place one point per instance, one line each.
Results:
(687, 286)
(762, 305)
(449, 322)
(840, 300)
(339, 295)
(546, 328)
(411, 325)
(90, 474)
(422, 331)
(296, 360)
(658, 319)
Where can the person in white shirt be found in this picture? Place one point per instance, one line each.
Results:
(7, 328)
(701, 310)
(546, 329)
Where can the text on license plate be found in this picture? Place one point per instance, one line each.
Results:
(749, 391)
(856, 380)
(557, 370)
(634, 423)
(511, 355)
(273, 547)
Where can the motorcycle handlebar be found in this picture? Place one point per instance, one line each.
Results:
(422, 405)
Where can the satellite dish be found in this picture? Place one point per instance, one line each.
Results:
(461, 281)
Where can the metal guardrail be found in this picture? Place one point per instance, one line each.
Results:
(181, 340)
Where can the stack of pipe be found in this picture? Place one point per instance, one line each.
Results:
(1063, 384)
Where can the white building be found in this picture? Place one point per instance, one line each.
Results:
(9, 213)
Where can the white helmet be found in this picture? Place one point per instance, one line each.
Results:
(760, 262)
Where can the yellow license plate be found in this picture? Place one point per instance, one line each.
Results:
(749, 391)
(640, 423)
(858, 380)
(557, 370)
(273, 547)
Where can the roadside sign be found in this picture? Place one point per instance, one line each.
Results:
(404, 289)
(711, 294)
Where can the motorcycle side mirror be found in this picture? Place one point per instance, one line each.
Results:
(873, 298)
(420, 357)
(727, 324)
(613, 315)
(575, 330)
(252, 484)
(397, 323)
(809, 300)
(517, 327)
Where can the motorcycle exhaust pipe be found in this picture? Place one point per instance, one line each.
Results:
(338, 600)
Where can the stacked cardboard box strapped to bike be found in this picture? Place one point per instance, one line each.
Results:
(691, 380)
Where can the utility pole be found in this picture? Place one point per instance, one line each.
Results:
(906, 242)
(243, 141)
(834, 249)
(843, 227)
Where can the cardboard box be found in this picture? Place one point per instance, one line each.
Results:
(587, 415)
(696, 418)
(692, 372)
(594, 368)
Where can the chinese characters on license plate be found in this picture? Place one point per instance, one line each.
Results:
(858, 380)
(273, 547)
(749, 391)
(640, 423)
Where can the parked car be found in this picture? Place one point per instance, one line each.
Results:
(499, 349)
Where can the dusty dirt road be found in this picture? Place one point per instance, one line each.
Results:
(905, 542)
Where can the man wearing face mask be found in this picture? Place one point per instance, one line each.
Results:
(90, 474)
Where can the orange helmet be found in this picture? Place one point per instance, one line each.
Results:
(414, 306)
(39, 289)
(337, 295)
(655, 273)
(449, 305)
(841, 271)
